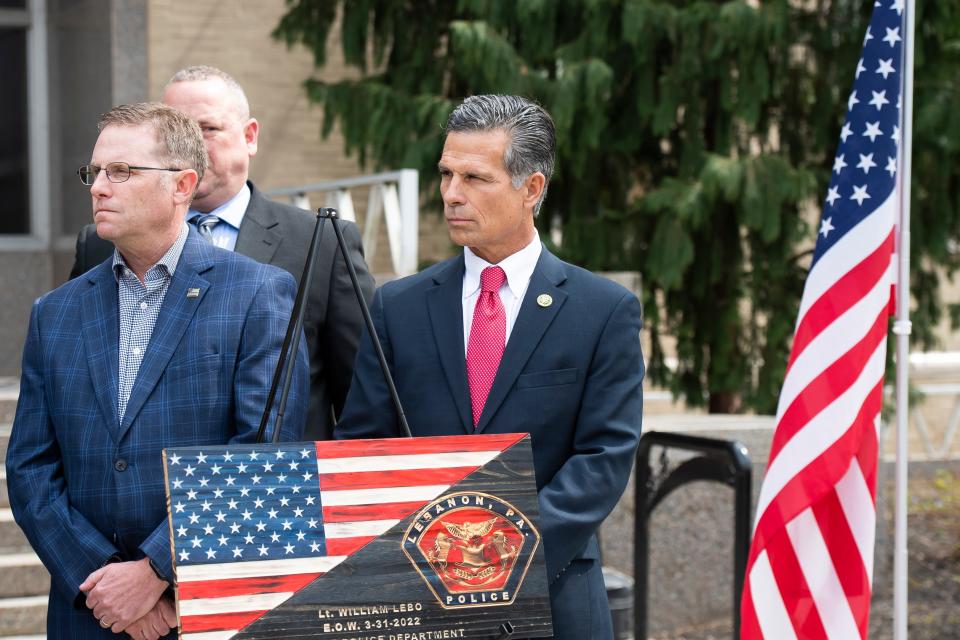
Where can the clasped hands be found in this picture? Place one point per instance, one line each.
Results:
(128, 597)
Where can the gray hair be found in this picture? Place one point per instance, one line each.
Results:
(533, 137)
(205, 72)
(178, 137)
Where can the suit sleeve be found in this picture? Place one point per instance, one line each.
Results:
(79, 256)
(70, 546)
(344, 322)
(369, 411)
(260, 346)
(586, 488)
(263, 332)
(91, 251)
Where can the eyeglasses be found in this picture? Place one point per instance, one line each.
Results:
(116, 172)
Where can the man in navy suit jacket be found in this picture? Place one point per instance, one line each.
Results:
(570, 370)
(267, 231)
(170, 342)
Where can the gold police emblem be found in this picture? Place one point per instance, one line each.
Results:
(472, 549)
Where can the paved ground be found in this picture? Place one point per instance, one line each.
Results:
(934, 565)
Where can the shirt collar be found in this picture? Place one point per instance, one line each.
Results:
(230, 211)
(518, 267)
(168, 261)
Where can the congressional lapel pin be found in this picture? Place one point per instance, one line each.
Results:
(193, 292)
(544, 300)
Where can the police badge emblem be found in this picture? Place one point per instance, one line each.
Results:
(472, 549)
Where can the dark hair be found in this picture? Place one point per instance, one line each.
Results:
(533, 137)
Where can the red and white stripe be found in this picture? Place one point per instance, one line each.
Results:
(811, 562)
(366, 488)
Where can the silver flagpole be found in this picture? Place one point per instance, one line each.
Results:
(901, 328)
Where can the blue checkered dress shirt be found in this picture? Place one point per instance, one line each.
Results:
(139, 304)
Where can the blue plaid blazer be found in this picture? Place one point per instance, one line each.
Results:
(84, 486)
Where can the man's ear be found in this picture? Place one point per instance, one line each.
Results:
(251, 134)
(533, 188)
(185, 186)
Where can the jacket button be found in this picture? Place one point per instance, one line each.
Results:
(120, 464)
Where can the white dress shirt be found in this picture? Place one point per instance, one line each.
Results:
(231, 215)
(518, 267)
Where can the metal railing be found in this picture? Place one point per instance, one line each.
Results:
(394, 198)
(943, 449)
(723, 461)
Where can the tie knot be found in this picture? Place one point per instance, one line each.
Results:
(491, 279)
(205, 223)
(207, 220)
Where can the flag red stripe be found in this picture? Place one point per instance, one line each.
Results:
(838, 299)
(794, 589)
(218, 621)
(868, 457)
(828, 386)
(842, 548)
(362, 512)
(817, 478)
(410, 446)
(346, 546)
(749, 625)
(400, 478)
(244, 586)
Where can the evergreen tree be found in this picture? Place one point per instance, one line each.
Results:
(695, 142)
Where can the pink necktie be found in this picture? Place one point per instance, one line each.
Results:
(488, 335)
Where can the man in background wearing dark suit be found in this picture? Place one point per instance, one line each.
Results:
(270, 232)
(507, 338)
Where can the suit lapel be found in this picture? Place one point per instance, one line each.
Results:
(258, 237)
(445, 306)
(532, 322)
(175, 316)
(100, 321)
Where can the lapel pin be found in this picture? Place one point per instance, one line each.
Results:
(544, 300)
(193, 292)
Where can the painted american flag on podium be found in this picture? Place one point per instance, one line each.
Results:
(253, 524)
(810, 566)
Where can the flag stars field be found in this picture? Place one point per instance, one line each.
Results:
(221, 483)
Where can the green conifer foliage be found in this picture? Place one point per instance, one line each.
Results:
(696, 140)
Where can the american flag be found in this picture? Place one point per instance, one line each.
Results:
(810, 566)
(253, 524)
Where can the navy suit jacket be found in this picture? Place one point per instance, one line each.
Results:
(84, 486)
(276, 233)
(570, 375)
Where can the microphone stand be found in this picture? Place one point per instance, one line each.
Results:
(388, 378)
(291, 340)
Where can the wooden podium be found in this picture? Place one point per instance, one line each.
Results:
(399, 539)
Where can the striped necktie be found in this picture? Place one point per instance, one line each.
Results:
(205, 222)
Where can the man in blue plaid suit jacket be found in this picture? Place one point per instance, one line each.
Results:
(172, 342)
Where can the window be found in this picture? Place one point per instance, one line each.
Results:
(14, 134)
